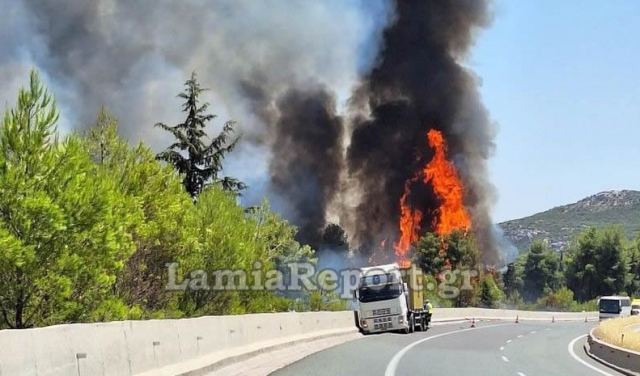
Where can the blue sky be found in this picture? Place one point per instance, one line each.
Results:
(562, 81)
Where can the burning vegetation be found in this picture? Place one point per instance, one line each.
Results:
(450, 215)
(420, 88)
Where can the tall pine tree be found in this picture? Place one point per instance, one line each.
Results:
(199, 162)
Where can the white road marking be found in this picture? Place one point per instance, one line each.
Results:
(520, 336)
(393, 364)
(521, 374)
(505, 359)
(501, 348)
(576, 357)
(448, 323)
(533, 332)
(509, 341)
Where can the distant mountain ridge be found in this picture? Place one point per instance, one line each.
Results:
(559, 225)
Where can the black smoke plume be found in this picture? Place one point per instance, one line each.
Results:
(307, 157)
(418, 84)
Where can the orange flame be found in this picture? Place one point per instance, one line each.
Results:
(409, 226)
(452, 215)
(446, 183)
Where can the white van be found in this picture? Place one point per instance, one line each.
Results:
(614, 306)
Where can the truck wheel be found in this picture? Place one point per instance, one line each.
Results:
(412, 323)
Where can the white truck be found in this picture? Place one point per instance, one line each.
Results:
(386, 302)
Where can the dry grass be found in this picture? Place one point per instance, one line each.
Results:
(611, 331)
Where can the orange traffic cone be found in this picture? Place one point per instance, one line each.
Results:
(473, 322)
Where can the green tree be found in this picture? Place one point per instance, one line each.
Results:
(490, 293)
(512, 278)
(215, 234)
(163, 211)
(633, 258)
(230, 239)
(457, 250)
(103, 143)
(203, 162)
(597, 264)
(63, 230)
(541, 272)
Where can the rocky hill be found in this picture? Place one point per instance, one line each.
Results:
(559, 225)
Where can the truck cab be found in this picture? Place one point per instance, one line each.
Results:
(384, 302)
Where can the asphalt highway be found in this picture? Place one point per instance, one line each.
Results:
(489, 349)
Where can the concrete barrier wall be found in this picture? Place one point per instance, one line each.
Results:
(623, 359)
(442, 314)
(133, 347)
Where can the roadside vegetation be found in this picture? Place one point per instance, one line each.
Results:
(88, 222)
(622, 332)
(598, 262)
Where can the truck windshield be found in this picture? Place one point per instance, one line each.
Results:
(609, 306)
(383, 292)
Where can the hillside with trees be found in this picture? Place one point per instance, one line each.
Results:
(558, 226)
(597, 262)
